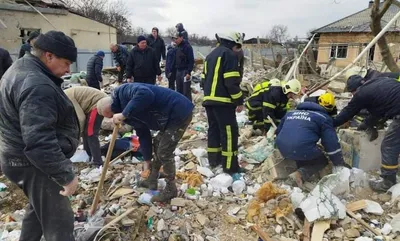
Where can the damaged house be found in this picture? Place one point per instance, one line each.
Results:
(19, 18)
(340, 42)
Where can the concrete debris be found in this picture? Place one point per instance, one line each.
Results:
(212, 205)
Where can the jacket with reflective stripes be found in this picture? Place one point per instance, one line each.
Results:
(300, 130)
(221, 78)
(274, 103)
(254, 102)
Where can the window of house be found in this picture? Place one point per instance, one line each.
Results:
(339, 51)
(24, 33)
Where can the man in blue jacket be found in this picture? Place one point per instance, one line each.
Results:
(311, 122)
(170, 71)
(93, 70)
(148, 107)
(184, 62)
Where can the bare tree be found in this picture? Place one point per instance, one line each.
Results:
(170, 31)
(279, 33)
(377, 13)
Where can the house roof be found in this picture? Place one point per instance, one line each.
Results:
(360, 22)
(262, 41)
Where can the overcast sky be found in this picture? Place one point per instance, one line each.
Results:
(253, 17)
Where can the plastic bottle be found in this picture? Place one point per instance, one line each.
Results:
(238, 186)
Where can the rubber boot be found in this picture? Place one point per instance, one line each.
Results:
(170, 190)
(152, 181)
(384, 184)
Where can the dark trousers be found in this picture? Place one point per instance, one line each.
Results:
(151, 80)
(182, 86)
(121, 74)
(171, 81)
(223, 137)
(165, 144)
(91, 142)
(48, 213)
(257, 118)
(93, 84)
(390, 149)
(309, 168)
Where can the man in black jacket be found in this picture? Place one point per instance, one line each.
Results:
(180, 29)
(157, 43)
(143, 65)
(120, 55)
(39, 133)
(5, 61)
(93, 70)
(380, 96)
(26, 47)
(184, 62)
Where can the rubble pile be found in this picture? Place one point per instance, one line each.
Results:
(212, 205)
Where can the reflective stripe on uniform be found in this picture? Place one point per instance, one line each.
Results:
(215, 79)
(205, 67)
(334, 152)
(231, 74)
(267, 121)
(203, 76)
(266, 104)
(237, 96)
(252, 108)
(227, 154)
(390, 167)
(228, 146)
(257, 123)
(219, 99)
(214, 149)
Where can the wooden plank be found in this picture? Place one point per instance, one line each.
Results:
(363, 223)
(319, 229)
(263, 235)
(357, 205)
(306, 230)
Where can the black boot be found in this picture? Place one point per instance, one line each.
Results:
(152, 181)
(170, 190)
(384, 184)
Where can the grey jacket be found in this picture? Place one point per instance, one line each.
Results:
(38, 123)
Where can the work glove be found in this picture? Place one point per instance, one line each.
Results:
(372, 133)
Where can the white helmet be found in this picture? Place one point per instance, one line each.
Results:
(356, 70)
(232, 36)
(292, 86)
(275, 82)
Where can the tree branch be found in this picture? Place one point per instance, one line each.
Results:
(384, 8)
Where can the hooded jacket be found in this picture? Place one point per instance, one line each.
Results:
(38, 123)
(143, 65)
(5, 61)
(149, 107)
(170, 62)
(182, 30)
(93, 70)
(158, 45)
(380, 96)
(301, 129)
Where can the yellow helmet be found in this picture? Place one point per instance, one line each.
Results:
(275, 82)
(327, 101)
(356, 70)
(292, 86)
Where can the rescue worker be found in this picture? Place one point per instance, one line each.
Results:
(120, 55)
(254, 103)
(275, 101)
(149, 107)
(85, 101)
(222, 95)
(297, 138)
(327, 101)
(380, 96)
(369, 74)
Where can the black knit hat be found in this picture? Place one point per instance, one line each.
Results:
(58, 43)
(32, 35)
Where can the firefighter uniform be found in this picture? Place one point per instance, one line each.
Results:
(222, 94)
(254, 105)
(274, 105)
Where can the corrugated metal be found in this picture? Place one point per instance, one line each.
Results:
(359, 22)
